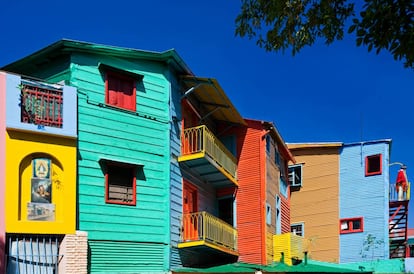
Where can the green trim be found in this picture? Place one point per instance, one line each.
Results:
(66, 46)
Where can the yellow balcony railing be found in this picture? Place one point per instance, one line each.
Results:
(201, 140)
(202, 226)
(394, 193)
(288, 246)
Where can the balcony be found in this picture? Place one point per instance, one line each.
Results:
(405, 195)
(205, 240)
(205, 155)
(289, 248)
(41, 105)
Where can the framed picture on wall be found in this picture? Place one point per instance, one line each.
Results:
(40, 212)
(41, 168)
(41, 191)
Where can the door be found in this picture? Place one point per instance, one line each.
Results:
(191, 139)
(191, 219)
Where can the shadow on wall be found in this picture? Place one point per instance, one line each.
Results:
(2, 255)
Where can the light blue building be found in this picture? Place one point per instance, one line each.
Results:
(373, 224)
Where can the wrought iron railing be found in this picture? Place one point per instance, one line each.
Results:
(204, 226)
(201, 139)
(41, 106)
(33, 254)
(404, 196)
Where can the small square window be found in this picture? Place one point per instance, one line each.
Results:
(373, 165)
(297, 229)
(351, 225)
(120, 91)
(120, 184)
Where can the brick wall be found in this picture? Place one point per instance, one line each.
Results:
(74, 249)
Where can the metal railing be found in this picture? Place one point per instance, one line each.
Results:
(201, 139)
(33, 255)
(204, 226)
(394, 193)
(41, 106)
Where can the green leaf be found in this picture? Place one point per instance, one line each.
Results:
(351, 28)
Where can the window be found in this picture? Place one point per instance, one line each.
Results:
(373, 165)
(120, 184)
(120, 91)
(297, 229)
(351, 225)
(277, 157)
(278, 215)
(268, 144)
(295, 176)
(41, 106)
(268, 214)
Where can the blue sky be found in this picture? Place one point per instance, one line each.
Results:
(336, 93)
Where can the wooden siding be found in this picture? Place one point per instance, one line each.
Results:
(316, 204)
(251, 196)
(176, 188)
(142, 231)
(367, 197)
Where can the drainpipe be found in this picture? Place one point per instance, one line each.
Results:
(306, 257)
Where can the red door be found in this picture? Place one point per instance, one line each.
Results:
(191, 219)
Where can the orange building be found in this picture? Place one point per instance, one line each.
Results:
(263, 207)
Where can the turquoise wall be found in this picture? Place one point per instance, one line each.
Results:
(367, 197)
(137, 233)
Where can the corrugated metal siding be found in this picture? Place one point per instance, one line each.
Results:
(127, 257)
(250, 201)
(367, 197)
(317, 204)
(285, 205)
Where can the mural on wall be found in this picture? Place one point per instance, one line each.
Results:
(40, 208)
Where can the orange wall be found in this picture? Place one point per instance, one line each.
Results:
(251, 196)
(317, 203)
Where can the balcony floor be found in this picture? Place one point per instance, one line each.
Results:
(208, 170)
(204, 254)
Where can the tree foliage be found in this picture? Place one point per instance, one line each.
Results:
(293, 24)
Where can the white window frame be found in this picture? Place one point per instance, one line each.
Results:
(302, 225)
(268, 214)
(295, 179)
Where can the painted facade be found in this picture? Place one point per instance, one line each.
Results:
(364, 195)
(263, 198)
(315, 204)
(205, 176)
(124, 130)
(38, 160)
(346, 205)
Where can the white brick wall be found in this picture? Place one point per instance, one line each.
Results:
(74, 249)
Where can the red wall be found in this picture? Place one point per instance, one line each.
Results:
(251, 224)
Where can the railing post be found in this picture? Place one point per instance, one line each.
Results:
(204, 224)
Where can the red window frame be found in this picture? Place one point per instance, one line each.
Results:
(132, 170)
(350, 224)
(369, 158)
(117, 91)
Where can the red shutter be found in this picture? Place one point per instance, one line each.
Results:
(121, 92)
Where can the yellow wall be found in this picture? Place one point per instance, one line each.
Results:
(21, 148)
(316, 204)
